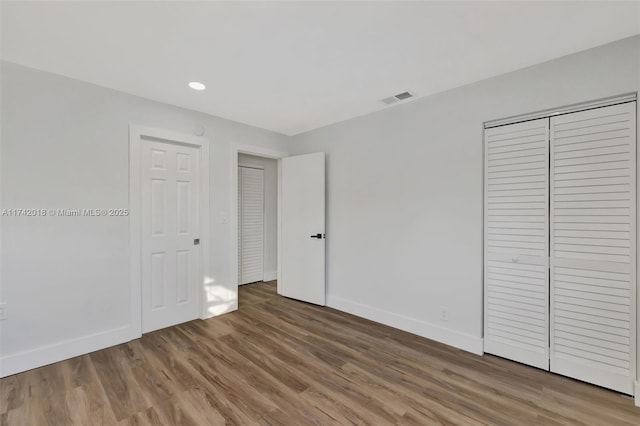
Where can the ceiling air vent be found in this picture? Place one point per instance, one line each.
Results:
(395, 98)
(403, 96)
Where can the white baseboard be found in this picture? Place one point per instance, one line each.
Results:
(636, 393)
(270, 276)
(421, 328)
(48, 354)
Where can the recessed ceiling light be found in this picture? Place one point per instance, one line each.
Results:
(196, 85)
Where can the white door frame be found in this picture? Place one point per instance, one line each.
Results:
(136, 134)
(233, 214)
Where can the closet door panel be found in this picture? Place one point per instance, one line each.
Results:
(516, 242)
(593, 270)
(251, 225)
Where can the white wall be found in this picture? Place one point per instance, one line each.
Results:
(65, 145)
(270, 210)
(404, 191)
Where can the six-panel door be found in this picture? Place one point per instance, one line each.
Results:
(170, 223)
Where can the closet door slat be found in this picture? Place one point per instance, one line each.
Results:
(593, 246)
(516, 235)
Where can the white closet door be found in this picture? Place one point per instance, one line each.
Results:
(250, 224)
(593, 245)
(516, 290)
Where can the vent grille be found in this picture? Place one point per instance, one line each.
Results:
(396, 98)
(403, 95)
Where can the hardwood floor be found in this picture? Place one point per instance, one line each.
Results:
(278, 361)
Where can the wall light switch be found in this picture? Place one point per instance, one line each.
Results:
(224, 217)
(3, 311)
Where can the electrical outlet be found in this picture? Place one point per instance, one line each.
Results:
(3, 311)
(444, 313)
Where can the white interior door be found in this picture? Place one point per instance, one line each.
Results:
(303, 228)
(250, 225)
(593, 246)
(170, 226)
(516, 271)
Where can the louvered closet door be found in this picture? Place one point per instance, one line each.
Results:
(250, 224)
(516, 242)
(593, 246)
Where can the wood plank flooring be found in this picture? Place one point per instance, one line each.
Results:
(281, 362)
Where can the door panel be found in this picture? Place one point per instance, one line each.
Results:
(170, 193)
(303, 216)
(516, 242)
(250, 225)
(593, 246)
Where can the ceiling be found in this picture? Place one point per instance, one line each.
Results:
(294, 66)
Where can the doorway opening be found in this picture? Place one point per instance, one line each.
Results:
(300, 226)
(257, 228)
